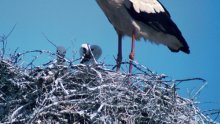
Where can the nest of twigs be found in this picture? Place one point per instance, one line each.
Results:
(91, 94)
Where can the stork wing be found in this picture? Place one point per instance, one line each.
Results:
(153, 14)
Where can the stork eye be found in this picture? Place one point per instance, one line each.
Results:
(84, 50)
(92, 49)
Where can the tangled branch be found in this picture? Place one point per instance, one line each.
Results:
(91, 94)
(64, 92)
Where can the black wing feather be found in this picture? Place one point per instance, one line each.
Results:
(161, 22)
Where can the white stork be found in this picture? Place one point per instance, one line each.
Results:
(146, 19)
(89, 53)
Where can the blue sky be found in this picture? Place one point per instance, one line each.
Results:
(73, 22)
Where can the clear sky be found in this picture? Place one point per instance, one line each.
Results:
(73, 22)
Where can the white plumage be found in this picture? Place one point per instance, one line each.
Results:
(89, 53)
(148, 6)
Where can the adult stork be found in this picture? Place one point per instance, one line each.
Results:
(146, 19)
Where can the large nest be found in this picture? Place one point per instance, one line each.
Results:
(64, 92)
(91, 94)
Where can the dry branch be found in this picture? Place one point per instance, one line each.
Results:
(90, 94)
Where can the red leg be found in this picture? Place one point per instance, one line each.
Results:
(131, 56)
(119, 57)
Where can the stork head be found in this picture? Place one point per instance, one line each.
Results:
(89, 53)
(61, 52)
